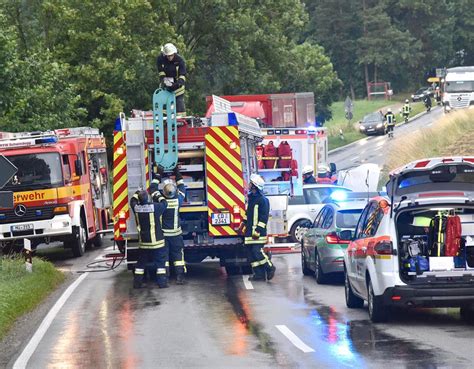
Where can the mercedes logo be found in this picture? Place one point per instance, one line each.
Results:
(20, 210)
(459, 98)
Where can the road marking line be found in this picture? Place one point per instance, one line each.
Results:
(354, 158)
(110, 248)
(30, 348)
(247, 283)
(294, 338)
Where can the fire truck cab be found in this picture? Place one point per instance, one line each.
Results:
(215, 156)
(61, 189)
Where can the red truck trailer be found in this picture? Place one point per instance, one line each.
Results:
(287, 110)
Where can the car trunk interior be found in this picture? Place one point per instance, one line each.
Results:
(436, 244)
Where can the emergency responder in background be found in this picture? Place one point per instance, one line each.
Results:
(151, 243)
(258, 209)
(324, 175)
(391, 120)
(438, 95)
(427, 102)
(172, 73)
(406, 110)
(308, 177)
(174, 192)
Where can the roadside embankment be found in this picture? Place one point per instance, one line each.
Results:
(452, 135)
(21, 291)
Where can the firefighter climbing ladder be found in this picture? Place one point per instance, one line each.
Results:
(165, 101)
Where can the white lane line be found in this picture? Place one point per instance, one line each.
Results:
(354, 158)
(30, 348)
(247, 283)
(294, 338)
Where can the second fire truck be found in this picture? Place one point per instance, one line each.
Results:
(61, 189)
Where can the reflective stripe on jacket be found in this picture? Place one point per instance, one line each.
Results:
(147, 216)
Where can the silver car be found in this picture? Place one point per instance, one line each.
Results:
(322, 250)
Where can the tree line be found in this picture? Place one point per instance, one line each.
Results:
(81, 62)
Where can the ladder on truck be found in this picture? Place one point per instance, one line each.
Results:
(165, 101)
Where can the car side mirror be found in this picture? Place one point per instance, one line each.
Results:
(332, 167)
(346, 235)
(78, 167)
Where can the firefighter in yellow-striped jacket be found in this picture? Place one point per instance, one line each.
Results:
(151, 242)
(172, 73)
(258, 210)
(174, 192)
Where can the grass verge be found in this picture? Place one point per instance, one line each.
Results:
(20, 291)
(361, 108)
(451, 136)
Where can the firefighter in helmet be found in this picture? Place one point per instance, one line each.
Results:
(308, 177)
(174, 192)
(172, 73)
(258, 209)
(151, 244)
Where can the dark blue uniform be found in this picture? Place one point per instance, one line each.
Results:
(258, 210)
(175, 69)
(309, 180)
(151, 242)
(171, 225)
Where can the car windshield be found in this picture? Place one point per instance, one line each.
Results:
(421, 91)
(374, 117)
(348, 218)
(35, 171)
(320, 195)
(460, 86)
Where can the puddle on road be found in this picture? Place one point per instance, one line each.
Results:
(360, 343)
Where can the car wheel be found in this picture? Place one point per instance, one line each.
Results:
(78, 239)
(318, 271)
(467, 313)
(377, 310)
(304, 267)
(97, 241)
(298, 230)
(352, 301)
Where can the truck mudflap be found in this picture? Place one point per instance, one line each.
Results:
(445, 295)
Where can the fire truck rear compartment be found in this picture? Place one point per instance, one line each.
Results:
(424, 252)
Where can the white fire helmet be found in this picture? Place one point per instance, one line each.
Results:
(169, 189)
(169, 49)
(323, 169)
(308, 169)
(257, 181)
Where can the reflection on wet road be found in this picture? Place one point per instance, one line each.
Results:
(215, 322)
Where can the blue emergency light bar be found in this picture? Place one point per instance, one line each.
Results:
(46, 140)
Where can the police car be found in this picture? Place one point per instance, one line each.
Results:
(415, 247)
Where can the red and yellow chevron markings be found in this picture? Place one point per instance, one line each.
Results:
(120, 186)
(225, 184)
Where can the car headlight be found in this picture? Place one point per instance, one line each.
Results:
(380, 125)
(362, 128)
(412, 96)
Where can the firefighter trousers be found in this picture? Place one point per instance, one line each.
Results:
(153, 260)
(259, 260)
(175, 244)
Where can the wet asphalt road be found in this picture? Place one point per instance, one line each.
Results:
(374, 149)
(215, 321)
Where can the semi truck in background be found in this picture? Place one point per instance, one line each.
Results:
(61, 190)
(458, 88)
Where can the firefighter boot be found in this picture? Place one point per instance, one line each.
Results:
(180, 279)
(271, 272)
(162, 281)
(259, 274)
(137, 281)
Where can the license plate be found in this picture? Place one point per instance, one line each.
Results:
(22, 227)
(370, 130)
(220, 218)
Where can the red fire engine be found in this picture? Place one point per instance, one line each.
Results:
(61, 189)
